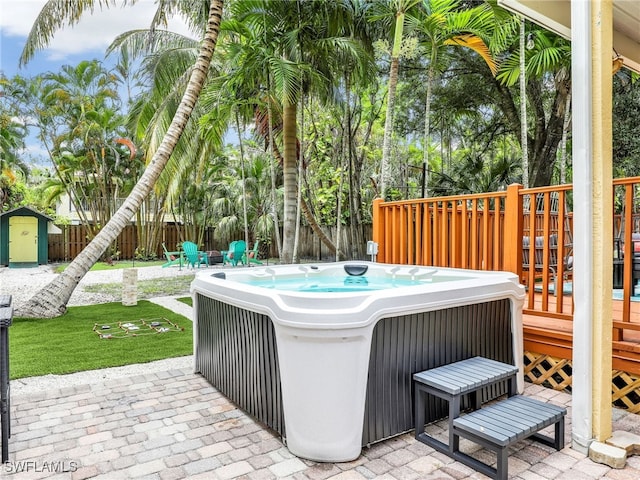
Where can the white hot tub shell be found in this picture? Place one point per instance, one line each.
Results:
(331, 371)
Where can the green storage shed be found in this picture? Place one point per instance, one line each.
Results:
(23, 238)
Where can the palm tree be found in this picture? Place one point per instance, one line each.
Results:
(12, 135)
(166, 64)
(295, 43)
(13, 132)
(445, 24)
(83, 102)
(244, 188)
(52, 299)
(392, 13)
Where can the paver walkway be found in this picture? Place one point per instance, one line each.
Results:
(174, 424)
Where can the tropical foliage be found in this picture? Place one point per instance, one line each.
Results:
(327, 105)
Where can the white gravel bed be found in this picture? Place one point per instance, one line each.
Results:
(23, 283)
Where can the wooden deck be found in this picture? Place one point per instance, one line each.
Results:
(552, 334)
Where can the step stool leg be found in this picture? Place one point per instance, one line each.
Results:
(502, 466)
(419, 411)
(559, 430)
(476, 399)
(454, 412)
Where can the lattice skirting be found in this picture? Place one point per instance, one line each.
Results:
(556, 373)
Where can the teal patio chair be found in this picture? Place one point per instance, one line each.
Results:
(253, 255)
(235, 254)
(194, 256)
(173, 258)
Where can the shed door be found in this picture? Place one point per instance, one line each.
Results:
(23, 239)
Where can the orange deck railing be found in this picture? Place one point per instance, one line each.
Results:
(525, 231)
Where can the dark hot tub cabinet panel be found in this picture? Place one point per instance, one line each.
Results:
(237, 354)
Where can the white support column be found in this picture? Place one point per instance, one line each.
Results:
(591, 24)
(582, 405)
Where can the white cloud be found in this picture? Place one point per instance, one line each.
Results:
(35, 154)
(94, 31)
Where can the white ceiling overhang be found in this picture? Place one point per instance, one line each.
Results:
(555, 15)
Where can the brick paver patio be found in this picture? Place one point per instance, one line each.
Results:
(174, 425)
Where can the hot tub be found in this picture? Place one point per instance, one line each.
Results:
(325, 357)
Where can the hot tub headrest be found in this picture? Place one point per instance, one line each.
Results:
(219, 275)
(356, 270)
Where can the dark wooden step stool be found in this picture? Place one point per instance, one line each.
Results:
(450, 382)
(499, 425)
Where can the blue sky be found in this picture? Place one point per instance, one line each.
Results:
(85, 41)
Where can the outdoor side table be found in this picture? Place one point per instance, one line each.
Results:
(6, 318)
(450, 382)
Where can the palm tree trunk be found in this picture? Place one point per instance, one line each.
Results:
(563, 142)
(350, 170)
(289, 179)
(523, 111)
(274, 203)
(339, 253)
(391, 102)
(244, 188)
(52, 300)
(296, 239)
(313, 223)
(427, 129)
(388, 126)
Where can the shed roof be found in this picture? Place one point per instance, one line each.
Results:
(28, 211)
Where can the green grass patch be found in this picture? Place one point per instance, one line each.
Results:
(156, 287)
(186, 300)
(119, 265)
(68, 343)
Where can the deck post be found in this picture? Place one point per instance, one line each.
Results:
(513, 222)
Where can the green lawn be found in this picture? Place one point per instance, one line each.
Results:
(186, 300)
(68, 343)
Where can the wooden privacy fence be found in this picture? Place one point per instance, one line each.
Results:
(460, 232)
(65, 246)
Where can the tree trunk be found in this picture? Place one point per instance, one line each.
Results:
(52, 300)
(296, 238)
(563, 142)
(391, 103)
(524, 134)
(311, 220)
(272, 156)
(427, 126)
(308, 213)
(548, 135)
(388, 127)
(289, 179)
